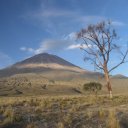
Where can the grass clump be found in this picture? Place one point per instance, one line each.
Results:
(31, 125)
(112, 121)
(60, 125)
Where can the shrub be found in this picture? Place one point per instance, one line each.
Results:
(92, 87)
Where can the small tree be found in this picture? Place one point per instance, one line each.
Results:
(98, 43)
(92, 87)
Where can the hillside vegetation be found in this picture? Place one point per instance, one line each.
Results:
(38, 84)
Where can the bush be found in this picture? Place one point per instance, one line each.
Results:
(92, 87)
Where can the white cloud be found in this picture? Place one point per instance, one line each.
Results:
(51, 45)
(72, 36)
(76, 46)
(48, 45)
(5, 60)
(23, 48)
(27, 49)
(30, 49)
(118, 23)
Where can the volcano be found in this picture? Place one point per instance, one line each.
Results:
(41, 63)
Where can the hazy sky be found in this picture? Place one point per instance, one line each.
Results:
(29, 27)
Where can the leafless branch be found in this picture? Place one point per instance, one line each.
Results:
(122, 61)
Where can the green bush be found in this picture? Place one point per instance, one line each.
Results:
(92, 87)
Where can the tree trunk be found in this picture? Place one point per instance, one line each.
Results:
(109, 87)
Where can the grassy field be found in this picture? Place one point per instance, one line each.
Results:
(34, 101)
(64, 112)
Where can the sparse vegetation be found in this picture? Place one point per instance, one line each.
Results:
(37, 102)
(62, 112)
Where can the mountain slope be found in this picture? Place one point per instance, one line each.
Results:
(119, 76)
(41, 63)
(45, 58)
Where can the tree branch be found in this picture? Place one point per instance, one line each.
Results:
(123, 61)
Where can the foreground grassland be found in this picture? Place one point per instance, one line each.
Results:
(64, 112)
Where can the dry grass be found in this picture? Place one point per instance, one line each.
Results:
(40, 84)
(62, 111)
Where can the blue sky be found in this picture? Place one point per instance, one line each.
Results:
(29, 27)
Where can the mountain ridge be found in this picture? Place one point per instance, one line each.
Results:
(46, 58)
(40, 63)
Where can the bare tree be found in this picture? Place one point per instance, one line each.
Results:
(99, 44)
